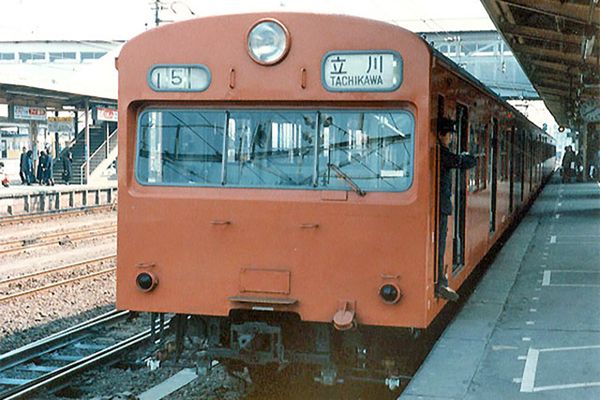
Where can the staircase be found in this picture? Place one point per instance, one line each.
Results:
(77, 147)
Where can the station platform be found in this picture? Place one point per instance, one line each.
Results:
(28, 199)
(531, 329)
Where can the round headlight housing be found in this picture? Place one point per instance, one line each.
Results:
(390, 293)
(146, 281)
(268, 42)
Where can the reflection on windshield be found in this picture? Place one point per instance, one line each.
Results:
(277, 148)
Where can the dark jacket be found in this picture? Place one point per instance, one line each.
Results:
(23, 162)
(448, 161)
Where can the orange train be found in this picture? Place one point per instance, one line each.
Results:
(279, 184)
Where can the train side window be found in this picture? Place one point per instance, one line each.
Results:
(503, 141)
(477, 147)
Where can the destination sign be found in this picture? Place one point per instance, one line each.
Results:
(179, 78)
(362, 71)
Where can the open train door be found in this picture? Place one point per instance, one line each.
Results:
(460, 189)
(493, 174)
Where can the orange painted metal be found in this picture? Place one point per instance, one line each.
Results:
(302, 251)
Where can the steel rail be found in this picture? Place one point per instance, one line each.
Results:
(56, 213)
(56, 269)
(24, 352)
(56, 284)
(54, 238)
(54, 234)
(75, 367)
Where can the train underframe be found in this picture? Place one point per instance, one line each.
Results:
(275, 341)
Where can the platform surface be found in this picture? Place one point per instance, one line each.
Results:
(531, 330)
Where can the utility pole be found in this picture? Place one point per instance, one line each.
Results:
(158, 7)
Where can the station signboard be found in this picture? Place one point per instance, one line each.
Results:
(30, 113)
(60, 124)
(107, 114)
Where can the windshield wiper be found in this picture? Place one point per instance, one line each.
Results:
(341, 174)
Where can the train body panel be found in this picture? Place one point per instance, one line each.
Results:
(270, 192)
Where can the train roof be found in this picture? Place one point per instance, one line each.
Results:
(476, 82)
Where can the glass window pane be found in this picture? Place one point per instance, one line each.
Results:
(270, 148)
(337, 150)
(371, 149)
(180, 147)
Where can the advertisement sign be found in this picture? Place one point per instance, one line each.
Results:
(60, 124)
(30, 113)
(107, 114)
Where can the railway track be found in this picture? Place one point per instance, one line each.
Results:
(31, 283)
(49, 239)
(53, 214)
(62, 355)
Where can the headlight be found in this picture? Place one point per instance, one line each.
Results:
(268, 42)
(390, 293)
(146, 281)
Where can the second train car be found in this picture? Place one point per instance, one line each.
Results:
(278, 185)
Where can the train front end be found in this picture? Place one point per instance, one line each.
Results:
(276, 184)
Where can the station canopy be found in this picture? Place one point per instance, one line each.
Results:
(557, 44)
(45, 86)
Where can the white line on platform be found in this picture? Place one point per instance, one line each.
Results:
(535, 298)
(532, 310)
(526, 339)
(573, 348)
(546, 280)
(530, 323)
(521, 358)
(568, 386)
(553, 239)
(528, 380)
(517, 380)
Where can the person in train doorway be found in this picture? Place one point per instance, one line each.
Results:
(23, 166)
(448, 161)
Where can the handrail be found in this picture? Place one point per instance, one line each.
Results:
(101, 148)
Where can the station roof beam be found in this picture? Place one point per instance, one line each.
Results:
(557, 42)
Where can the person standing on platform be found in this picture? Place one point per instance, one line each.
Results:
(29, 167)
(22, 165)
(67, 163)
(40, 167)
(3, 178)
(48, 170)
(568, 164)
(448, 161)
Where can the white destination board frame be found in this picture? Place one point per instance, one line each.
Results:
(362, 71)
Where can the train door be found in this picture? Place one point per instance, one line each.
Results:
(493, 174)
(3, 149)
(460, 189)
(521, 148)
(530, 160)
(511, 170)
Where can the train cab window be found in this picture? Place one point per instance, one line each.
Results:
(180, 147)
(373, 149)
(267, 149)
(276, 149)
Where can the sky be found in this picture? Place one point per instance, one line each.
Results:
(123, 19)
